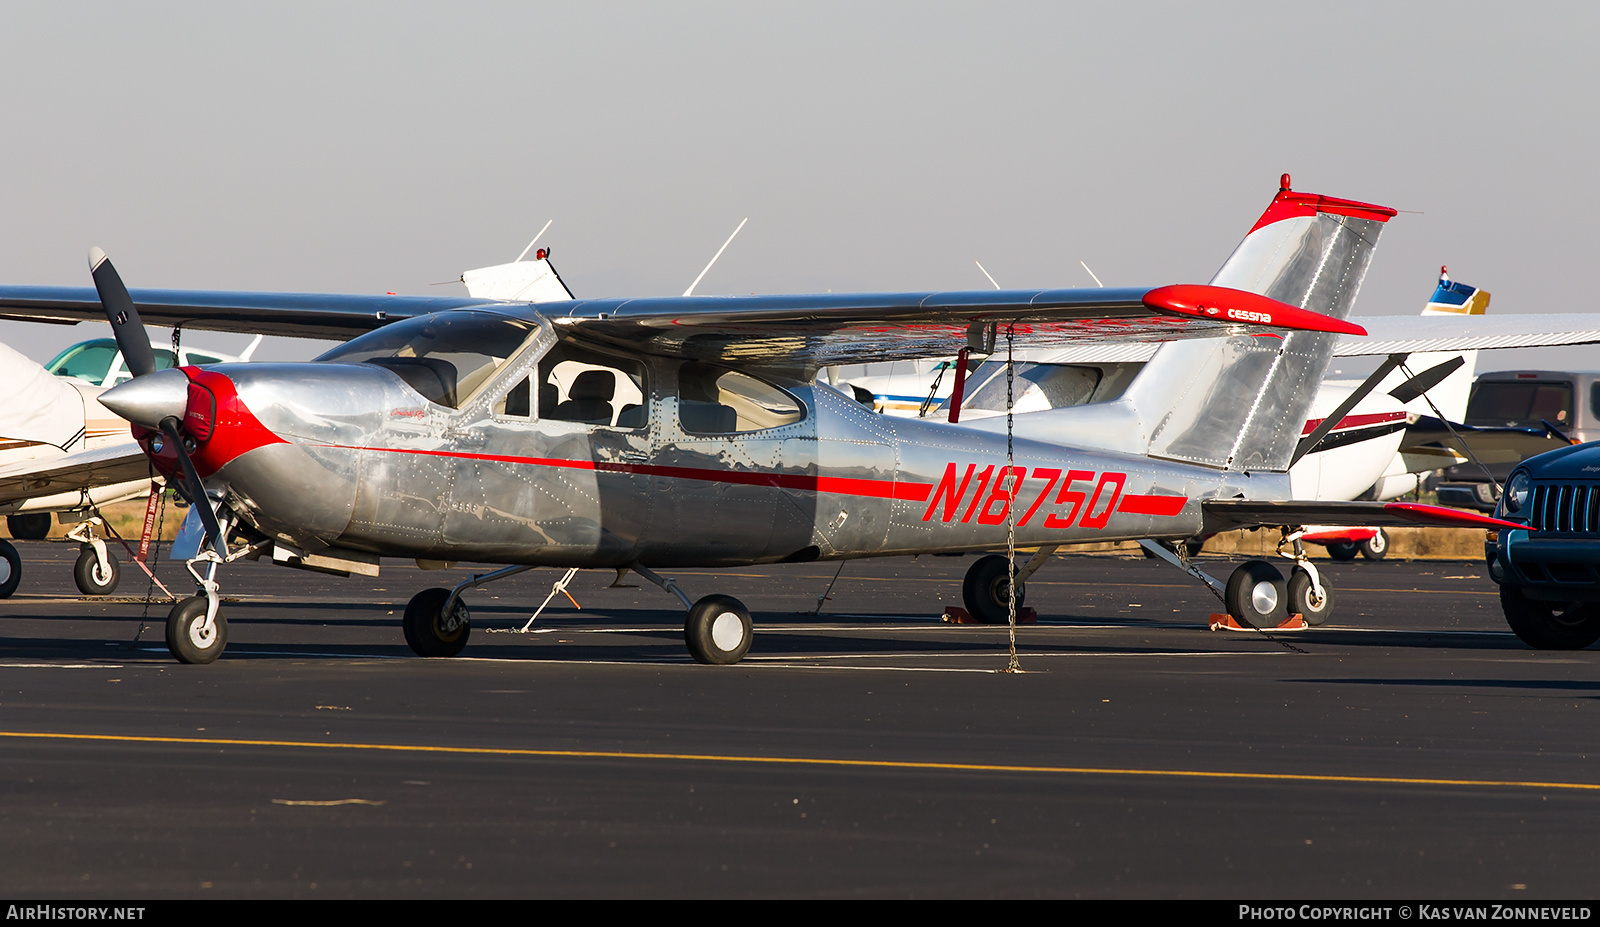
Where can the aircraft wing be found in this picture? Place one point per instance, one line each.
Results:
(1413, 333)
(1395, 334)
(829, 329)
(46, 476)
(301, 315)
(818, 329)
(1228, 514)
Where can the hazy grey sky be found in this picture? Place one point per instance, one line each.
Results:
(369, 147)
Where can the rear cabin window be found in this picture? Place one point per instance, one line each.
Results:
(1520, 403)
(1034, 388)
(718, 401)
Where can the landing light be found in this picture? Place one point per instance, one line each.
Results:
(1516, 495)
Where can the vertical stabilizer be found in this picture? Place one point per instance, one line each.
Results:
(1239, 403)
(533, 281)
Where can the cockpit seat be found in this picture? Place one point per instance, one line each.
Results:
(589, 399)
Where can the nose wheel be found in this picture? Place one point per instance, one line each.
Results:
(192, 636)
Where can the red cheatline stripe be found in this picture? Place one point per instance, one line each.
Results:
(1356, 421)
(1135, 504)
(880, 489)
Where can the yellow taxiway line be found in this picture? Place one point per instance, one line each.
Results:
(816, 761)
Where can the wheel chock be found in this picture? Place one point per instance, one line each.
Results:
(955, 614)
(1295, 622)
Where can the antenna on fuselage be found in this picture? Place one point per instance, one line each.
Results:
(690, 290)
(986, 274)
(1092, 276)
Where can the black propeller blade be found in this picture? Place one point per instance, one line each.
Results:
(141, 359)
(123, 316)
(197, 489)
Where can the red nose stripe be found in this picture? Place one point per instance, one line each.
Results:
(235, 429)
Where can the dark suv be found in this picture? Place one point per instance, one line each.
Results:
(1511, 416)
(1549, 573)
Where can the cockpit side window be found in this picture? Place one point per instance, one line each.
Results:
(718, 401)
(580, 385)
(447, 357)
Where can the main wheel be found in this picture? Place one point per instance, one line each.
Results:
(1550, 625)
(91, 579)
(188, 638)
(1255, 595)
(31, 527)
(986, 588)
(10, 569)
(718, 630)
(1343, 551)
(429, 632)
(1302, 599)
(1375, 547)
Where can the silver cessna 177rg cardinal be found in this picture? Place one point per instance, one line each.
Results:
(650, 434)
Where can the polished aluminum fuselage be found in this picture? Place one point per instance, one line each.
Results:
(358, 461)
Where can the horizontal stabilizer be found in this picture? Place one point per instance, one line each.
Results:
(1229, 514)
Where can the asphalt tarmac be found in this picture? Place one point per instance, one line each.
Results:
(1414, 749)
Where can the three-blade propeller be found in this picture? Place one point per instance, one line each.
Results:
(134, 343)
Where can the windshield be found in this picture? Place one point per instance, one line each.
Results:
(91, 361)
(447, 357)
(1523, 403)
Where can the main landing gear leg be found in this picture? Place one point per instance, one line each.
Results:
(1254, 595)
(718, 628)
(96, 571)
(197, 631)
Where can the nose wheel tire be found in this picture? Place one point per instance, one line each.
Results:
(718, 630)
(10, 569)
(1550, 625)
(1302, 599)
(429, 632)
(1256, 596)
(187, 636)
(91, 579)
(986, 587)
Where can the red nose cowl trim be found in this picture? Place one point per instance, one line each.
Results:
(235, 430)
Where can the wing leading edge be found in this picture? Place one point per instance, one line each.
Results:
(810, 330)
(823, 330)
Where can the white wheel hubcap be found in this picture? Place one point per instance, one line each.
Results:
(1264, 598)
(727, 631)
(5, 570)
(201, 636)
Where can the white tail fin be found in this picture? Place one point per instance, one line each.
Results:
(533, 281)
(1239, 403)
